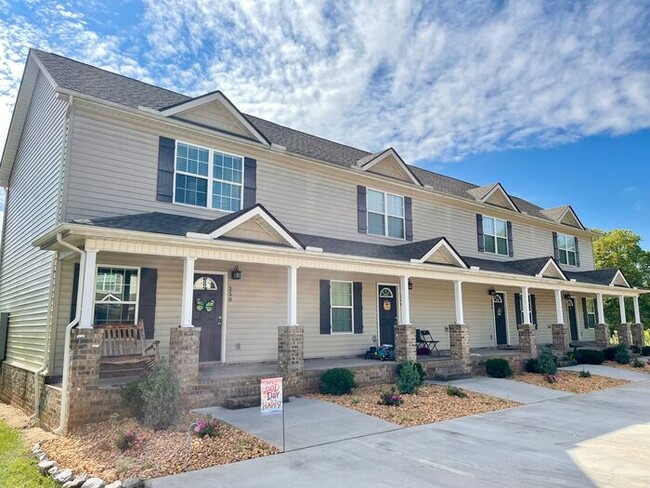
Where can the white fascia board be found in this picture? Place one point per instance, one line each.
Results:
(443, 244)
(391, 152)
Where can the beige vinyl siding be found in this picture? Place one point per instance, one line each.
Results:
(433, 308)
(114, 170)
(214, 115)
(32, 205)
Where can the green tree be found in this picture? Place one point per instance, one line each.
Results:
(621, 249)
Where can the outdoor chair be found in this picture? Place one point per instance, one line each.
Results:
(424, 339)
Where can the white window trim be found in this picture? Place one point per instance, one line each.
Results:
(137, 292)
(588, 313)
(351, 307)
(495, 237)
(210, 179)
(575, 251)
(386, 214)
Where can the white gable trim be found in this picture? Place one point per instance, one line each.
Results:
(573, 214)
(553, 266)
(619, 279)
(440, 246)
(499, 188)
(221, 98)
(252, 213)
(366, 165)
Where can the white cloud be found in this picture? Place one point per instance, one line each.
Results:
(436, 80)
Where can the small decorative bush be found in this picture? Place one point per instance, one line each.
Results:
(409, 378)
(590, 356)
(207, 427)
(585, 374)
(609, 353)
(132, 398)
(498, 368)
(645, 351)
(457, 392)
(532, 366)
(337, 381)
(635, 349)
(390, 398)
(126, 440)
(637, 363)
(160, 392)
(418, 367)
(547, 362)
(551, 378)
(622, 355)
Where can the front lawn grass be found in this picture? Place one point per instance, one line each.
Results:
(17, 465)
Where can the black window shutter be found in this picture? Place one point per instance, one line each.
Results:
(511, 251)
(533, 308)
(358, 307)
(147, 303)
(362, 210)
(479, 233)
(250, 182)
(518, 307)
(408, 217)
(75, 290)
(166, 152)
(584, 312)
(556, 251)
(325, 324)
(577, 252)
(4, 332)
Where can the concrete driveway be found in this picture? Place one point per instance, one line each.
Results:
(599, 439)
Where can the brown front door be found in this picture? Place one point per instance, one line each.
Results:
(207, 313)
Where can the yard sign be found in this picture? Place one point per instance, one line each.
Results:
(271, 391)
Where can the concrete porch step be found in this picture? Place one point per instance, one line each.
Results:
(565, 363)
(451, 375)
(236, 403)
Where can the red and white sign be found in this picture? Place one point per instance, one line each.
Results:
(271, 395)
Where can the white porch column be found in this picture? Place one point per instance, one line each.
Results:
(458, 295)
(621, 307)
(86, 318)
(292, 295)
(525, 305)
(637, 311)
(406, 302)
(601, 308)
(188, 291)
(559, 309)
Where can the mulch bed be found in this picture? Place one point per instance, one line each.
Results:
(91, 449)
(430, 404)
(629, 367)
(571, 382)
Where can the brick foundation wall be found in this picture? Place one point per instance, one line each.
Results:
(50, 407)
(459, 341)
(561, 338)
(624, 334)
(602, 335)
(291, 345)
(517, 364)
(405, 349)
(17, 387)
(184, 357)
(637, 335)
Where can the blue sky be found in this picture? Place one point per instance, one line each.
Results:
(552, 98)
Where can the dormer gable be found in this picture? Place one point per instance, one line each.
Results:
(551, 270)
(388, 163)
(493, 194)
(619, 280)
(564, 215)
(214, 110)
(436, 251)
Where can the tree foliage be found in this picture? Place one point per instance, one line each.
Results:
(621, 249)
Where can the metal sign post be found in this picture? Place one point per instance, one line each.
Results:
(272, 400)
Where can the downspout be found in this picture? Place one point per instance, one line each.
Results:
(53, 270)
(66, 351)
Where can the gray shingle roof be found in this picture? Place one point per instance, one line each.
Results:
(596, 277)
(116, 88)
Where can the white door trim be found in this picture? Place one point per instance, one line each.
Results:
(494, 319)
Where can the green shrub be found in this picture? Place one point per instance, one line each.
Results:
(418, 366)
(532, 366)
(637, 363)
(126, 440)
(585, 374)
(390, 398)
(457, 392)
(590, 356)
(622, 355)
(132, 398)
(609, 353)
(160, 392)
(408, 378)
(547, 362)
(498, 368)
(645, 351)
(337, 381)
(635, 349)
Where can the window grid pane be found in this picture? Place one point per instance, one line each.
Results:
(489, 243)
(376, 224)
(341, 294)
(502, 246)
(191, 190)
(396, 227)
(341, 320)
(116, 295)
(395, 205)
(375, 201)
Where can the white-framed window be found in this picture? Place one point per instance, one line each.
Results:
(116, 294)
(208, 178)
(341, 307)
(566, 246)
(531, 314)
(495, 236)
(385, 214)
(590, 313)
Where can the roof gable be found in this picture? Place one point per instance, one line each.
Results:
(619, 280)
(493, 194)
(564, 215)
(552, 270)
(442, 253)
(388, 163)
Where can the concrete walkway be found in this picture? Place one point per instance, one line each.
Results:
(598, 439)
(610, 372)
(507, 389)
(308, 423)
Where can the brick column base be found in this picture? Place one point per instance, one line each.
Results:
(624, 334)
(602, 335)
(527, 339)
(459, 342)
(405, 349)
(637, 335)
(184, 355)
(561, 338)
(291, 345)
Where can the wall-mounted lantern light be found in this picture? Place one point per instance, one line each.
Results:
(235, 274)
